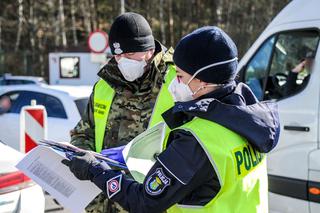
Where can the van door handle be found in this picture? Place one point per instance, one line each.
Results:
(297, 128)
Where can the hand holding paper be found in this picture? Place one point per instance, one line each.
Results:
(43, 165)
(71, 150)
(80, 165)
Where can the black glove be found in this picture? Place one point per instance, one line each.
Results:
(80, 165)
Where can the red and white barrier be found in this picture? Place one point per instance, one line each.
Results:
(33, 126)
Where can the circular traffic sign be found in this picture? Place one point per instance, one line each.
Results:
(98, 41)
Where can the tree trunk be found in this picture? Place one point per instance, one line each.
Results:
(41, 53)
(86, 13)
(32, 26)
(20, 14)
(122, 7)
(170, 24)
(229, 13)
(252, 20)
(218, 13)
(73, 21)
(94, 15)
(54, 22)
(63, 28)
(0, 35)
(162, 28)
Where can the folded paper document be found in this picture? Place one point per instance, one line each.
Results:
(43, 165)
(69, 149)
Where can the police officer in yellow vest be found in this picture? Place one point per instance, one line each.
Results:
(122, 101)
(214, 157)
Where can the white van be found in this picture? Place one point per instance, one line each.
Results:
(294, 165)
(76, 68)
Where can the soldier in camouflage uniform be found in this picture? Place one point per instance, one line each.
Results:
(133, 101)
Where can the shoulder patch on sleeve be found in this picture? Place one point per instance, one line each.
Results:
(157, 182)
(114, 186)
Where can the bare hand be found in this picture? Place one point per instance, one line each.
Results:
(299, 67)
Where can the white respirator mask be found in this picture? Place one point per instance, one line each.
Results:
(182, 93)
(131, 69)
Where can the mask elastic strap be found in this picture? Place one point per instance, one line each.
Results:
(209, 85)
(211, 65)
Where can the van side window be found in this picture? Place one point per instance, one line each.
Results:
(283, 64)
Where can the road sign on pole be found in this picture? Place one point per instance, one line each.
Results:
(98, 41)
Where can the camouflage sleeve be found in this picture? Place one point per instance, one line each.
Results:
(83, 135)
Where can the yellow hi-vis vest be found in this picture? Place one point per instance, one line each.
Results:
(103, 97)
(241, 171)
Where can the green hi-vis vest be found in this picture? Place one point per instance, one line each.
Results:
(241, 171)
(102, 100)
(103, 97)
(164, 100)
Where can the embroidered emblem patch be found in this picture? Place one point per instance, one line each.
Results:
(157, 182)
(202, 105)
(117, 49)
(114, 185)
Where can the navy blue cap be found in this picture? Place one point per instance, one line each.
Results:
(203, 47)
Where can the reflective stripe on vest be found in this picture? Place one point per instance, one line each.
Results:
(102, 100)
(103, 96)
(164, 99)
(241, 170)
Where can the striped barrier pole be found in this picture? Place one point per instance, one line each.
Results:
(33, 126)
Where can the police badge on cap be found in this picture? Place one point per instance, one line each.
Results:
(157, 182)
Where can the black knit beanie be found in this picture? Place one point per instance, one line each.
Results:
(204, 47)
(130, 32)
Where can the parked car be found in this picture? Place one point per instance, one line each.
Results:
(8, 79)
(294, 165)
(63, 109)
(18, 193)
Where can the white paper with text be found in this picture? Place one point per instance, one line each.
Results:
(43, 165)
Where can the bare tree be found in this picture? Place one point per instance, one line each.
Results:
(170, 20)
(62, 23)
(86, 15)
(0, 33)
(41, 55)
(20, 15)
(162, 27)
(252, 18)
(229, 13)
(54, 22)
(122, 7)
(73, 21)
(41, 26)
(94, 14)
(32, 26)
(218, 11)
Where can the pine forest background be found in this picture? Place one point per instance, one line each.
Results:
(30, 29)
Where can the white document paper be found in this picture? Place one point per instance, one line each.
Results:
(43, 165)
(140, 153)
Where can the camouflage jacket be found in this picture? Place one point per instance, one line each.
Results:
(132, 104)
